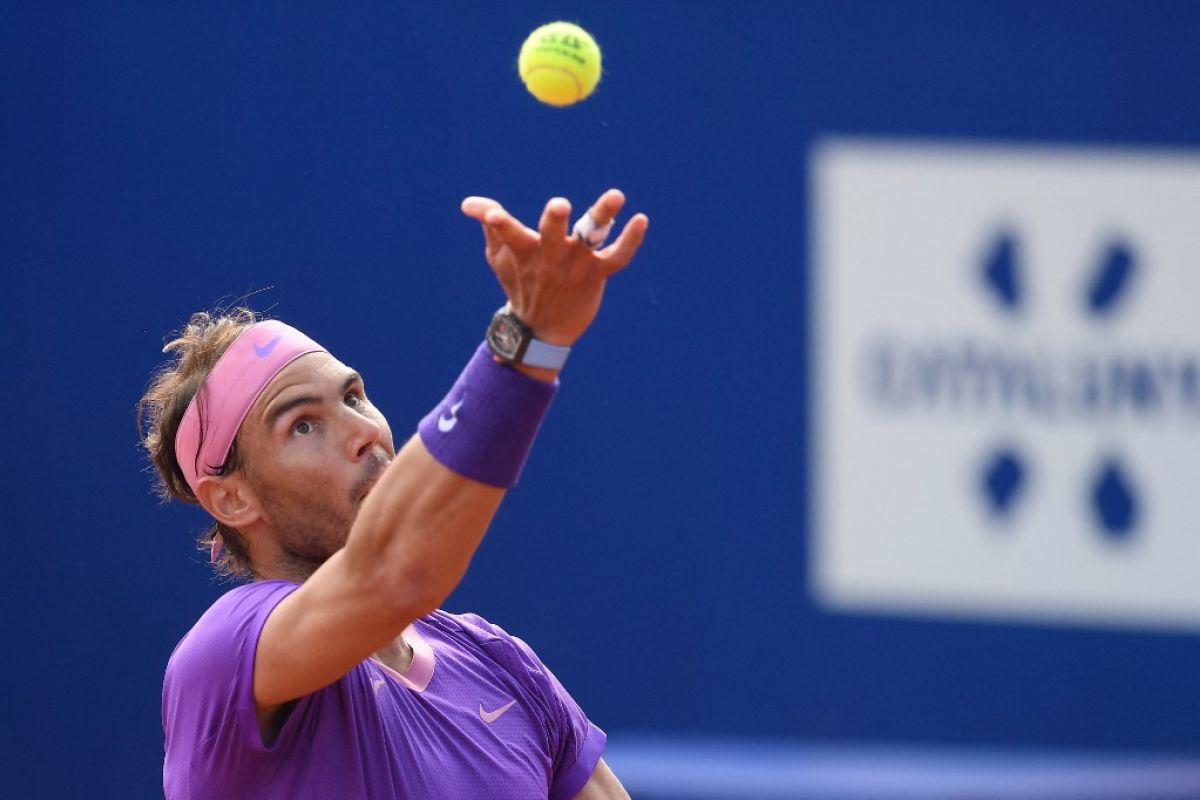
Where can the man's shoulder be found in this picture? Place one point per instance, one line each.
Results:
(468, 624)
(487, 637)
(231, 622)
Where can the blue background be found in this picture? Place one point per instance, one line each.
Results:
(160, 158)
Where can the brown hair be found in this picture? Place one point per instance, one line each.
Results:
(195, 351)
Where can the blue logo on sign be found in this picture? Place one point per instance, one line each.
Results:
(1112, 496)
(1001, 272)
(1010, 380)
(1114, 500)
(1007, 380)
(1003, 479)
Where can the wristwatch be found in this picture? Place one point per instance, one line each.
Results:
(512, 342)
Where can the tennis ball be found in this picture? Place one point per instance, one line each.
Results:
(560, 63)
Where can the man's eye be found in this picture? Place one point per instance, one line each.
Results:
(302, 428)
(353, 400)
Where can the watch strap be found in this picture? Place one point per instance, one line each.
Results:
(531, 351)
(543, 354)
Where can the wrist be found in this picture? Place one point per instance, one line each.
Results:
(543, 374)
(513, 342)
(485, 426)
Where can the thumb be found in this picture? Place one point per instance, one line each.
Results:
(477, 207)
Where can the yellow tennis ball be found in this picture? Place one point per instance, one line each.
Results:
(560, 63)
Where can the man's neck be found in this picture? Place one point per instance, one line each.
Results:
(398, 655)
(288, 567)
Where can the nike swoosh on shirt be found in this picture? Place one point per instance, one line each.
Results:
(265, 350)
(491, 716)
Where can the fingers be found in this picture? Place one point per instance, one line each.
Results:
(502, 229)
(477, 207)
(553, 226)
(499, 227)
(607, 207)
(509, 230)
(618, 254)
(593, 228)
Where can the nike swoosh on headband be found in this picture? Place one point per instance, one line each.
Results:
(265, 350)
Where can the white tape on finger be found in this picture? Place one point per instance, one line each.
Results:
(590, 233)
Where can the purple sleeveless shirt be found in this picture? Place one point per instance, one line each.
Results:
(477, 715)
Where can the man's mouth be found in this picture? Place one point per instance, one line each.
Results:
(374, 473)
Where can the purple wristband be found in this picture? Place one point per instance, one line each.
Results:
(483, 429)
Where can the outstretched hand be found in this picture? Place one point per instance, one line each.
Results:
(554, 281)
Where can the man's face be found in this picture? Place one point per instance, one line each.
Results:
(312, 446)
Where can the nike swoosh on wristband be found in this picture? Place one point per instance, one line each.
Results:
(446, 423)
(491, 716)
(265, 350)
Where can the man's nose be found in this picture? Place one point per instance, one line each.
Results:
(365, 434)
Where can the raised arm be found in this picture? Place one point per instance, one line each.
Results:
(416, 532)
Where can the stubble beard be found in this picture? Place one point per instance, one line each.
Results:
(313, 525)
(310, 529)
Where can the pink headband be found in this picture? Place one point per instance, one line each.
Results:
(225, 397)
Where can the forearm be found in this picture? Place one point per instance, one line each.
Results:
(426, 516)
(420, 526)
(424, 519)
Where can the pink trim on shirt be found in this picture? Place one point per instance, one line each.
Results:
(420, 670)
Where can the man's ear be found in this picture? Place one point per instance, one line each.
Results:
(229, 499)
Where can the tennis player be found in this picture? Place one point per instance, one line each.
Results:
(333, 673)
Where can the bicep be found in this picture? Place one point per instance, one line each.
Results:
(409, 546)
(603, 785)
(320, 632)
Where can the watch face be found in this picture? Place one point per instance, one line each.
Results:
(506, 337)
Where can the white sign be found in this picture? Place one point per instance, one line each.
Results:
(1007, 382)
